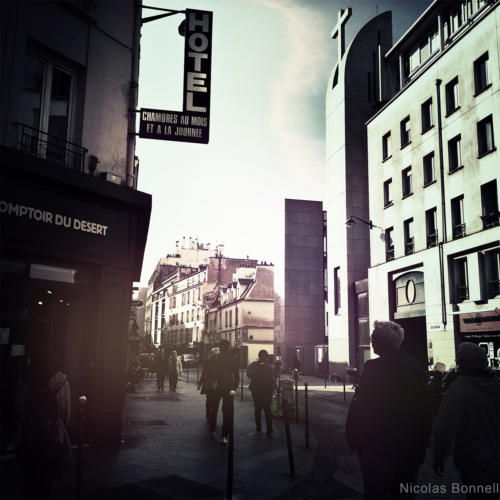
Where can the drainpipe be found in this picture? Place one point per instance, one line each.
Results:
(133, 96)
(443, 202)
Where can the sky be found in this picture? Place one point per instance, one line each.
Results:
(271, 60)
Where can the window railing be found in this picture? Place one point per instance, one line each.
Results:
(409, 246)
(494, 288)
(492, 219)
(432, 240)
(50, 147)
(389, 253)
(462, 293)
(458, 231)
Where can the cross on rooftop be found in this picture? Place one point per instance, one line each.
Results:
(339, 30)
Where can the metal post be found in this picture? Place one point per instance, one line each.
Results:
(344, 387)
(288, 440)
(187, 374)
(242, 373)
(82, 400)
(296, 396)
(306, 407)
(198, 372)
(230, 453)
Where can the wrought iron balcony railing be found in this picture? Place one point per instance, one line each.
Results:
(409, 246)
(458, 231)
(494, 288)
(432, 240)
(389, 253)
(462, 293)
(51, 148)
(492, 219)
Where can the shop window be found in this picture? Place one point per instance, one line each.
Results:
(489, 205)
(386, 146)
(406, 182)
(461, 280)
(426, 114)
(485, 139)
(409, 238)
(454, 154)
(481, 74)
(389, 244)
(428, 163)
(452, 97)
(388, 192)
(457, 217)
(431, 227)
(405, 132)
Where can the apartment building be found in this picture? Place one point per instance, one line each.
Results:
(434, 182)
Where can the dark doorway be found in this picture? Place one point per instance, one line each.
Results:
(415, 341)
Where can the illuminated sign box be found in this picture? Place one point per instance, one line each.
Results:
(191, 124)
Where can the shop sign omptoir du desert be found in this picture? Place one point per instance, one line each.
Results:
(192, 123)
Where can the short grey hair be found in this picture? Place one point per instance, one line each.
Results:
(390, 333)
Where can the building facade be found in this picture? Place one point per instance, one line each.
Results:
(305, 286)
(73, 227)
(434, 183)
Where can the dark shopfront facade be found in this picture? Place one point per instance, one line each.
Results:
(71, 247)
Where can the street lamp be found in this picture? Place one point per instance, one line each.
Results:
(351, 221)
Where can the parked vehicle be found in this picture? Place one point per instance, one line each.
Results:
(189, 360)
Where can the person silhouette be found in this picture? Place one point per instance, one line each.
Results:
(469, 417)
(390, 419)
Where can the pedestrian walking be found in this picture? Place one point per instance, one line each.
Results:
(174, 370)
(208, 385)
(228, 379)
(390, 420)
(44, 407)
(161, 368)
(277, 367)
(469, 417)
(262, 387)
(435, 385)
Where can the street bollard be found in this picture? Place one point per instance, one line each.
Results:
(288, 440)
(230, 453)
(296, 396)
(242, 374)
(306, 409)
(82, 400)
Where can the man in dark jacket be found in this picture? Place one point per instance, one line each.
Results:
(390, 419)
(469, 416)
(228, 379)
(262, 386)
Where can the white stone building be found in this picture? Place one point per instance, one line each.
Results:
(433, 173)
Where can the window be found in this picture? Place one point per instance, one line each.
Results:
(389, 244)
(431, 227)
(492, 262)
(454, 154)
(489, 205)
(426, 112)
(386, 146)
(421, 52)
(485, 140)
(452, 97)
(428, 163)
(182, 317)
(225, 319)
(481, 74)
(406, 181)
(414, 58)
(461, 280)
(409, 240)
(457, 217)
(405, 132)
(336, 289)
(388, 192)
(230, 318)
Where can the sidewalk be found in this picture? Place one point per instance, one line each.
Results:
(167, 452)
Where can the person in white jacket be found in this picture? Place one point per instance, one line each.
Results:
(44, 406)
(469, 418)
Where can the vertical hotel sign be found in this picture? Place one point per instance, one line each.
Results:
(192, 123)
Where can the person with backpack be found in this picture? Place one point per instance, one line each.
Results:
(262, 386)
(44, 407)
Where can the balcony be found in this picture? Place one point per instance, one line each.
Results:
(389, 253)
(493, 288)
(432, 240)
(462, 293)
(458, 231)
(492, 219)
(51, 148)
(409, 246)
